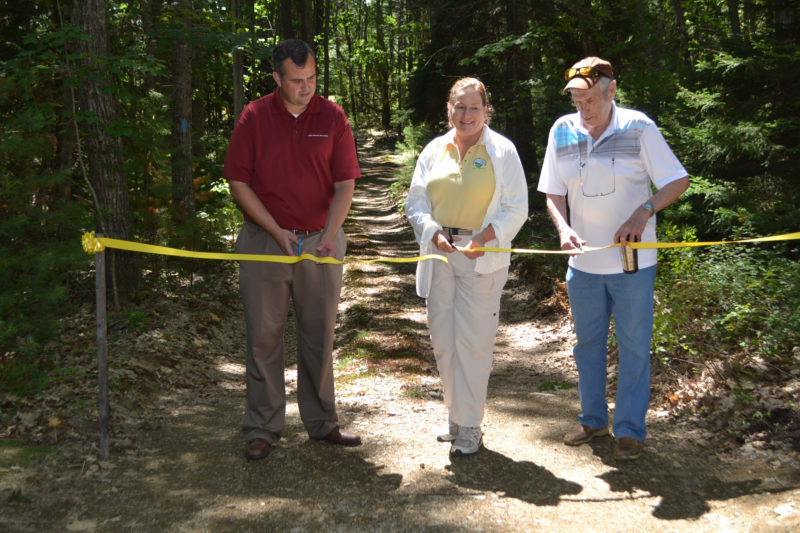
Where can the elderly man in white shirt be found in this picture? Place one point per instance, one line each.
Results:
(603, 161)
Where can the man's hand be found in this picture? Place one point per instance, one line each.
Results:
(285, 240)
(327, 246)
(631, 230)
(571, 240)
(557, 207)
(340, 205)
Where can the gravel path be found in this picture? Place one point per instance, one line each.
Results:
(177, 465)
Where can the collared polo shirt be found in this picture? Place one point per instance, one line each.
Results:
(606, 180)
(506, 212)
(461, 190)
(292, 163)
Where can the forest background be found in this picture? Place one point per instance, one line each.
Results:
(115, 117)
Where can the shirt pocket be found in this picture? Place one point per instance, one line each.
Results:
(599, 176)
(571, 167)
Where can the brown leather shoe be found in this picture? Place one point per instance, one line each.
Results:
(342, 437)
(627, 449)
(256, 449)
(583, 434)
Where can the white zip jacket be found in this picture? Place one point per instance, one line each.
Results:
(507, 210)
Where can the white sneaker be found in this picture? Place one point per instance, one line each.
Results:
(450, 435)
(468, 442)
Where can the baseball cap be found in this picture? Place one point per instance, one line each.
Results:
(578, 80)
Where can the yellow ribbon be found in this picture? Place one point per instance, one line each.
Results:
(650, 245)
(92, 245)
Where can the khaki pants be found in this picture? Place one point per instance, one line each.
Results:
(265, 290)
(463, 315)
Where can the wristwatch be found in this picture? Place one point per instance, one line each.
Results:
(650, 207)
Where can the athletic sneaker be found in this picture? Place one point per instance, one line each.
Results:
(468, 442)
(450, 435)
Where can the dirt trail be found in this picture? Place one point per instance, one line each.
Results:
(178, 465)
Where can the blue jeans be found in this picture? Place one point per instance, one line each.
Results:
(593, 299)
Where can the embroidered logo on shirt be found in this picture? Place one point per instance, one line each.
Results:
(479, 163)
(317, 135)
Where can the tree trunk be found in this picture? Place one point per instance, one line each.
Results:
(182, 185)
(326, 24)
(402, 54)
(733, 18)
(199, 105)
(307, 26)
(383, 69)
(287, 28)
(258, 73)
(683, 34)
(748, 19)
(518, 67)
(351, 88)
(785, 22)
(319, 7)
(151, 11)
(104, 151)
(238, 70)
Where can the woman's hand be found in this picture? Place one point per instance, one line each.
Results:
(477, 241)
(443, 243)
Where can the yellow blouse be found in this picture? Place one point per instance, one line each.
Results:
(460, 191)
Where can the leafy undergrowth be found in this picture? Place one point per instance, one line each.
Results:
(745, 402)
(166, 342)
(727, 339)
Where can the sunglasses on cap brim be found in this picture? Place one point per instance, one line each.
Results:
(584, 72)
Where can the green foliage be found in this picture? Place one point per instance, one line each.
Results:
(552, 386)
(731, 299)
(415, 137)
(41, 218)
(40, 257)
(736, 124)
(414, 140)
(16, 453)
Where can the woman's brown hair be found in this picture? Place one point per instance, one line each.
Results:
(471, 83)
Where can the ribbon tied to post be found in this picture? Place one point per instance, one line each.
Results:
(93, 245)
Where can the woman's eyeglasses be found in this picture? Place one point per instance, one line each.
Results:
(586, 72)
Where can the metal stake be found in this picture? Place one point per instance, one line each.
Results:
(102, 348)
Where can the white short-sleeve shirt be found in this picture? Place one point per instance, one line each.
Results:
(606, 180)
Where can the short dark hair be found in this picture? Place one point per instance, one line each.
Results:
(295, 49)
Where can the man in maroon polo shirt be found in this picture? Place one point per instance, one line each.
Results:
(291, 166)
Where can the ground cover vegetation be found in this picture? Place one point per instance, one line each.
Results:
(115, 116)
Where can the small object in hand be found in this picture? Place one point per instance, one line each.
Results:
(630, 259)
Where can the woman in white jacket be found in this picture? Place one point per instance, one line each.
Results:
(468, 191)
